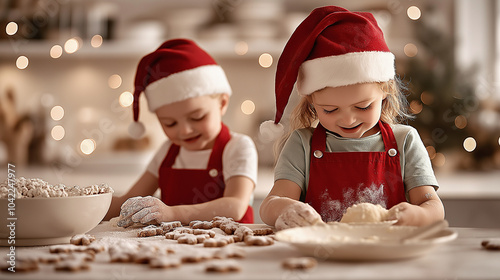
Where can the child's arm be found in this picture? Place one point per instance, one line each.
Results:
(146, 185)
(425, 207)
(233, 204)
(282, 208)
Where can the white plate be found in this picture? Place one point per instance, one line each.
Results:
(383, 223)
(360, 242)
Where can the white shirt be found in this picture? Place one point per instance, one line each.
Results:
(239, 158)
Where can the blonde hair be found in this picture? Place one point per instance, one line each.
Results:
(394, 110)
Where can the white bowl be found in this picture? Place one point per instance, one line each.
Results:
(54, 220)
(361, 242)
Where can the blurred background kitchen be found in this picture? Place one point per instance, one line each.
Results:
(67, 70)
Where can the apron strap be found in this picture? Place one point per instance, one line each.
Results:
(388, 136)
(318, 141)
(173, 151)
(215, 160)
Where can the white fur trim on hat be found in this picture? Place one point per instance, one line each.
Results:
(344, 70)
(203, 80)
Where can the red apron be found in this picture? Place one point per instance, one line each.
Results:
(193, 186)
(337, 180)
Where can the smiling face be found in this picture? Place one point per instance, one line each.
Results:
(193, 123)
(351, 111)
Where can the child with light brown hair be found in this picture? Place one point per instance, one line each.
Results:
(203, 169)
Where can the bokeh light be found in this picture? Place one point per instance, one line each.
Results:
(72, 45)
(410, 50)
(57, 113)
(416, 107)
(241, 48)
(431, 151)
(57, 132)
(114, 81)
(470, 144)
(126, 99)
(248, 107)
(439, 160)
(96, 41)
(56, 51)
(460, 122)
(427, 98)
(87, 146)
(11, 28)
(265, 60)
(413, 12)
(22, 62)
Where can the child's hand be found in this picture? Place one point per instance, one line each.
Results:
(405, 214)
(141, 210)
(297, 215)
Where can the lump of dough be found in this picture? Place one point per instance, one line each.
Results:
(364, 213)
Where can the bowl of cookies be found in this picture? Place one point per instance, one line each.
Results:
(36, 213)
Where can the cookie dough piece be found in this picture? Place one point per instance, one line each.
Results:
(150, 230)
(364, 213)
(300, 263)
(223, 266)
(82, 239)
(259, 240)
(72, 265)
(491, 245)
(164, 261)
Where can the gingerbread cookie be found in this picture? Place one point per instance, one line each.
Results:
(82, 239)
(491, 245)
(168, 226)
(164, 261)
(259, 240)
(123, 252)
(150, 230)
(228, 225)
(230, 252)
(72, 265)
(49, 258)
(208, 232)
(223, 266)
(242, 232)
(219, 241)
(201, 225)
(300, 263)
(65, 248)
(263, 231)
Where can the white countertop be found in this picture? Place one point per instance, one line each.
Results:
(462, 258)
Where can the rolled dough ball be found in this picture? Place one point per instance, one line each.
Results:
(364, 213)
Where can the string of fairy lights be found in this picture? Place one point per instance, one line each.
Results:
(265, 60)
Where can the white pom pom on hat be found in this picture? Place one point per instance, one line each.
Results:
(270, 131)
(136, 130)
(179, 69)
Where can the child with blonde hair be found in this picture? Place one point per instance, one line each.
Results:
(346, 146)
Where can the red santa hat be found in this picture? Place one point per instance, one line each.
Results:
(332, 47)
(179, 69)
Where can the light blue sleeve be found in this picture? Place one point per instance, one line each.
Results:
(417, 164)
(293, 162)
